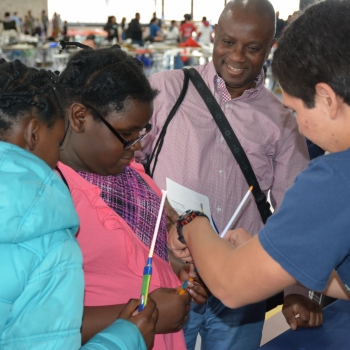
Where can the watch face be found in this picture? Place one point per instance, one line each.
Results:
(184, 215)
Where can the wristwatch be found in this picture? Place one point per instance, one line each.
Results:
(185, 219)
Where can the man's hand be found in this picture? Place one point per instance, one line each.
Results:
(300, 311)
(145, 321)
(238, 237)
(196, 287)
(173, 309)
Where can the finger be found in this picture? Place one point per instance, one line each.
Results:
(197, 298)
(199, 289)
(183, 255)
(170, 211)
(306, 321)
(290, 317)
(305, 315)
(192, 270)
(319, 315)
(129, 308)
(317, 319)
(187, 268)
(312, 322)
(233, 239)
(150, 307)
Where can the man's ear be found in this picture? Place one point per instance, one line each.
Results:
(31, 134)
(326, 95)
(77, 117)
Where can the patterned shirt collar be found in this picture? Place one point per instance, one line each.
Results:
(221, 88)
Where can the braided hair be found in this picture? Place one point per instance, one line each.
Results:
(26, 91)
(104, 78)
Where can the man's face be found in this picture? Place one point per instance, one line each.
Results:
(242, 43)
(313, 122)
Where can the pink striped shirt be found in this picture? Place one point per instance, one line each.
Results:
(196, 155)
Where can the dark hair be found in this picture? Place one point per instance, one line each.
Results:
(26, 91)
(315, 48)
(104, 79)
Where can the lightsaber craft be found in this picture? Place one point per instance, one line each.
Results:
(183, 288)
(223, 233)
(147, 270)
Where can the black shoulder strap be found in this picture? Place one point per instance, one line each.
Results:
(160, 141)
(232, 141)
(62, 176)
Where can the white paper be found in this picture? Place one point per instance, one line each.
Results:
(182, 198)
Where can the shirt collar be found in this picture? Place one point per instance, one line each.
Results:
(221, 88)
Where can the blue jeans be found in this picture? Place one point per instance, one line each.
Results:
(222, 328)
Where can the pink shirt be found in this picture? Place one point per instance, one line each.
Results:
(114, 257)
(196, 155)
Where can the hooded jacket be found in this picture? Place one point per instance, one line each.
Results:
(41, 276)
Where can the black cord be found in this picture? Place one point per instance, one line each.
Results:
(62, 177)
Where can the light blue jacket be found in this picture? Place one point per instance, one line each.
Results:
(41, 276)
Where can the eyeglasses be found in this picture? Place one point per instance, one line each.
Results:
(126, 143)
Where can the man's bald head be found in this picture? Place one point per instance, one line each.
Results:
(243, 39)
(260, 8)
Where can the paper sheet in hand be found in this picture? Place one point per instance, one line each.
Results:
(182, 198)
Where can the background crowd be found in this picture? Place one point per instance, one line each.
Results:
(158, 30)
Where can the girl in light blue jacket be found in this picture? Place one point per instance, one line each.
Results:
(41, 276)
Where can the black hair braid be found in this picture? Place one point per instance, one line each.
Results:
(105, 79)
(27, 91)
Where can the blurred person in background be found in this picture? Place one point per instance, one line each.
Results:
(44, 21)
(111, 27)
(135, 30)
(204, 32)
(187, 28)
(172, 34)
(280, 24)
(124, 27)
(156, 33)
(156, 20)
(18, 21)
(55, 25)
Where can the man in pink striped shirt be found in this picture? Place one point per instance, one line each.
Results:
(196, 155)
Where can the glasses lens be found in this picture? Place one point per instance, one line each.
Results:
(142, 134)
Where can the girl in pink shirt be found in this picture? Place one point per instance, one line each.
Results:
(108, 101)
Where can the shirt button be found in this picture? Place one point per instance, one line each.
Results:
(221, 139)
(227, 104)
(218, 209)
(221, 171)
